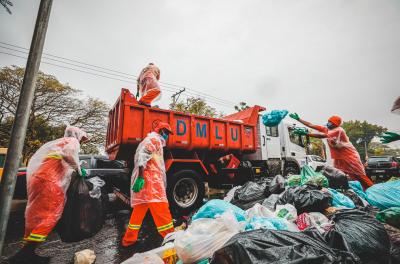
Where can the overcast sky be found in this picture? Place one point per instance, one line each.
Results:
(314, 57)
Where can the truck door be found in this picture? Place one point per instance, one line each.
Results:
(273, 143)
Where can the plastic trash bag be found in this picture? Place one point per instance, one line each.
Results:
(357, 200)
(384, 195)
(274, 117)
(86, 256)
(97, 184)
(257, 222)
(294, 180)
(83, 215)
(358, 189)
(277, 185)
(394, 237)
(287, 212)
(307, 198)
(217, 207)
(270, 202)
(341, 200)
(143, 258)
(311, 177)
(231, 193)
(260, 211)
(313, 219)
(274, 246)
(204, 236)
(250, 194)
(357, 232)
(390, 216)
(337, 179)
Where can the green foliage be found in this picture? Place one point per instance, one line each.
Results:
(196, 106)
(54, 105)
(242, 106)
(362, 133)
(317, 147)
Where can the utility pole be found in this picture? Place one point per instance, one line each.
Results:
(20, 125)
(175, 96)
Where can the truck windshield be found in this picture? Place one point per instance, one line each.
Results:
(298, 140)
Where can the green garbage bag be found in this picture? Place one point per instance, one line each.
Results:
(390, 216)
(293, 180)
(310, 176)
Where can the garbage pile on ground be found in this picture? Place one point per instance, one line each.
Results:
(314, 217)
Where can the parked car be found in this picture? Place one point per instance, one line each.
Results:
(113, 172)
(382, 167)
(314, 161)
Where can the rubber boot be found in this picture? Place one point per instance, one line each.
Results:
(27, 255)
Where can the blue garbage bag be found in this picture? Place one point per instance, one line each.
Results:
(258, 222)
(341, 200)
(274, 117)
(358, 189)
(384, 195)
(217, 207)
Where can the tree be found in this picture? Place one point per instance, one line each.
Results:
(379, 149)
(54, 106)
(361, 134)
(6, 4)
(242, 106)
(194, 105)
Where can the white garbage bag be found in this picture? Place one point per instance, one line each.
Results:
(259, 210)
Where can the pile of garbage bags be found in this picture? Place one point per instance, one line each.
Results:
(317, 217)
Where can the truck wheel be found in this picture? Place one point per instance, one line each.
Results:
(290, 170)
(185, 191)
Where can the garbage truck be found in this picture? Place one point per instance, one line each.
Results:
(221, 152)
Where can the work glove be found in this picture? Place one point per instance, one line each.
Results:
(300, 131)
(139, 183)
(83, 173)
(294, 116)
(388, 137)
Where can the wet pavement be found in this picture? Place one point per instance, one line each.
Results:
(106, 243)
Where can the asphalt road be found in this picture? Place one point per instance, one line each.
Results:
(106, 243)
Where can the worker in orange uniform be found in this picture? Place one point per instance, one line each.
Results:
(147, 85)
(345, 155)
(149, 183)
(48, 178)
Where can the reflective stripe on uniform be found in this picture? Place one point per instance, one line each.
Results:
(35, 238)
(165, 227)
(133, 227)
(53, 156)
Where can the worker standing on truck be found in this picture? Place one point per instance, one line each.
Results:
(345, 155)
(149, 185)
(48, 178)
(147, 85)
(388, 137)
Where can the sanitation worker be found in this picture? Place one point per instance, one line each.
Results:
(345, 155)
(149, 183)
(147, 85)
(388, 137)
(48, 178)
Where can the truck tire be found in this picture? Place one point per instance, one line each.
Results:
(291, 170)
(185, 191)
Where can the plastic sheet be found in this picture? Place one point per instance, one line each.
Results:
(309, 176)
(250, 194)
(204, 236)
(287, 212)
(314, 220)
(360, 234)
(272, 246)
(337, 179)
(306, 198)
(149, 155)
(341, 200)
(217, 207)
(274, 117)
(390, 216)
(384, 195)
(277, 185)
(270, 202)
(83, 215)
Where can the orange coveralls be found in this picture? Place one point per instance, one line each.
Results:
(149, 155)
(345, 155)
(148, 86)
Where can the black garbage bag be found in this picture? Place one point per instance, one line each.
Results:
(306, 198)
(277, 185)
(359, 203)
(83, 214)
(250, 194)
(272, 246)
(360, 234)
(337, 179)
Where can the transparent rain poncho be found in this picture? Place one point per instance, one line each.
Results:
(48, 178)
(148, 80)
(149, 155)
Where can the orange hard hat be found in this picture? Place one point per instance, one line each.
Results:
(162, 125)
(336, 120)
